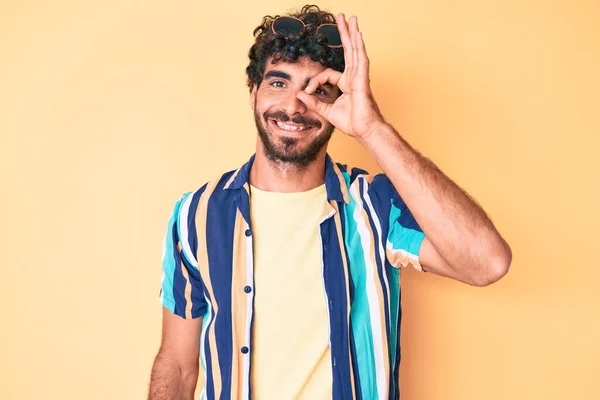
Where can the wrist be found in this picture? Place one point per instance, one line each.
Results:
(378, 128)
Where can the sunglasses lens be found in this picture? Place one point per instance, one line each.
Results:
(332, 34)
(287, 26)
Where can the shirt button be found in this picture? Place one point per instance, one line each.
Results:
(247, 289)
(245, 350)
(248, 232)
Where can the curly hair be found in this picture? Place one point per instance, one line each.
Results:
(308, 43)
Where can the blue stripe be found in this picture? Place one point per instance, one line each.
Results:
(335, 286)
(397, 225)
(179, 281)
(332, 181)
(220, 222)
(379, 244)
(198, 306)
(191, 222)
(359, 314)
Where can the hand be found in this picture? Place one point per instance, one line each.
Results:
(355, 112)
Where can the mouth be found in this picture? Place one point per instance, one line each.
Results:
(291, 128)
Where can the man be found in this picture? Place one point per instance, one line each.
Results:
(283, 275)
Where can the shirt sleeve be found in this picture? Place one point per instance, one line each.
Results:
(404, 237)
(182, 290)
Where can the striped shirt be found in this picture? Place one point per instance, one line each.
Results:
(366, 236)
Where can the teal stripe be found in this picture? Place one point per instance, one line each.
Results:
(403, 238)
(394, 281)
(359, 312)
(168, 262)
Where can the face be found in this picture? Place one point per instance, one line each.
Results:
(288, 130)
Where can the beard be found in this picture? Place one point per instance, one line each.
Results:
(288, 149)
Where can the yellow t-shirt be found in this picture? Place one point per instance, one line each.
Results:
(291, 358)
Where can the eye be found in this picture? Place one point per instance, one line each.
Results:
(320, 92)
(277, 84)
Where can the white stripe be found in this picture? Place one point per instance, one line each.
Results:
(169, 231)
(381, 379)
(205, 323)
(380, 244)
(183, 231)
(249, 281)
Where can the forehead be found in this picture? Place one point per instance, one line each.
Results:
(301, 69)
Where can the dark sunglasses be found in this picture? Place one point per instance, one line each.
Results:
(287, 26)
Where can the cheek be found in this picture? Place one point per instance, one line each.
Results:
(270, 97)
(265, 103)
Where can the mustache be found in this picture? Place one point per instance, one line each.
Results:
(298, 119)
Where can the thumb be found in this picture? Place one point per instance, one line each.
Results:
(314, 104)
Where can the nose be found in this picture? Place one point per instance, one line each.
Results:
(292, 105)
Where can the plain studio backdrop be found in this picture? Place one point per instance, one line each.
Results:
(110, 110)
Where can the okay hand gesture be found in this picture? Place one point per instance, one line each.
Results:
(355, 112)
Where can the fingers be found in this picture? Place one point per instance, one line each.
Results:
(362, 66)
(327, 76)
(353, 32)
(355, 56)
(314, 104)
(355, 53)
(346, 40)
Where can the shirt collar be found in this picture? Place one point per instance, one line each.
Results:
(335, 183)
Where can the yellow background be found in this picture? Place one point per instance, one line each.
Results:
(109, 110)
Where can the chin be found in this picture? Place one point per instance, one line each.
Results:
(292, 143)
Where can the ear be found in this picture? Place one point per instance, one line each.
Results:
(253, 97)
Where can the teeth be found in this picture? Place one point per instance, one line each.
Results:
(291, 127)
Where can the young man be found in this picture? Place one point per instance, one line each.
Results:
(283, 275)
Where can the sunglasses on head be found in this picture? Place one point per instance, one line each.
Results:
(287, 26)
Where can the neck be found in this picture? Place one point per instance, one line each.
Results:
(283, 177)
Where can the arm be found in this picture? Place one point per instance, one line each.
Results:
(175, 371)
(461, 242)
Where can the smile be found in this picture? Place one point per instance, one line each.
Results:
(291, 127)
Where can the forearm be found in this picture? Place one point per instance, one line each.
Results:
(456, 225)
(171, 382)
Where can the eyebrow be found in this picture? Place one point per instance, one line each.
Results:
(283, 75)
(278, 74)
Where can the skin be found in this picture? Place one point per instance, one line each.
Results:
(461, 242)
(175, 370)
(277, 93)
